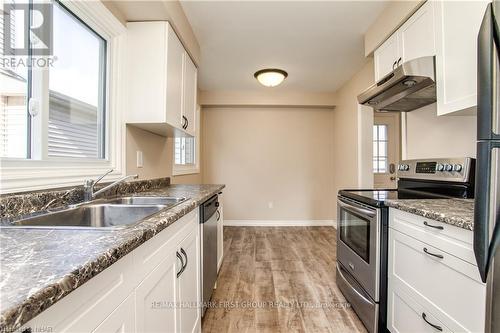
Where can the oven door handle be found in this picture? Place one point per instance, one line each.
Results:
(355, 209)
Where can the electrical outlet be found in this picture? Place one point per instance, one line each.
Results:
(270, 205)
(140, 162)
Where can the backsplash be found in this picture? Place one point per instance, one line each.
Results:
(19, 204)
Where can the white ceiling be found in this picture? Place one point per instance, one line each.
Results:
(319, 43)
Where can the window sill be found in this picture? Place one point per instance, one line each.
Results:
(180, 170)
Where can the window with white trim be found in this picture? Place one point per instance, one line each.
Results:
(380, 143)
(60, 124)
(75, 84)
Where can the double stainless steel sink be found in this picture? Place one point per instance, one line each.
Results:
(111, 214)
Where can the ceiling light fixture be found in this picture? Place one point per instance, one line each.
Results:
(270, 77)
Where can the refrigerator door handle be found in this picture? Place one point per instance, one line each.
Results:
(486, 209)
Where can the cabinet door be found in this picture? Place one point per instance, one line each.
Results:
(175, 71)
(155, 298)
(416, 35)
(385, 56)
(189, 94)
(457, 28)
(122, 320)
(220, 232)
(189, 295)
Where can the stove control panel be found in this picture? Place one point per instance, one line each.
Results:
(439, 169)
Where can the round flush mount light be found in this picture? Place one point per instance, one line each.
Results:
(270, 77)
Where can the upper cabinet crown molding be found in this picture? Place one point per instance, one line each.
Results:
(162, 80)
(447, 30)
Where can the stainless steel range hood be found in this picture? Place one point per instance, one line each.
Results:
(408, 87)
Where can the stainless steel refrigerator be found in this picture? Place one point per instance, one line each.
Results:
(487, 197)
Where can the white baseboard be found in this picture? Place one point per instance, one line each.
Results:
(280, 223)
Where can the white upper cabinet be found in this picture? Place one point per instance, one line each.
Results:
(416, 35)
(414, 39)
(457, 28)
(447, 30)
(386, 57)
(161, 78)
(189, 97)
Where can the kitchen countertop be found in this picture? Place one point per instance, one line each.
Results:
(41, 266)
(456, 212)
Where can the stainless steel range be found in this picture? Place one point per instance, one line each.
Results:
(363, 228)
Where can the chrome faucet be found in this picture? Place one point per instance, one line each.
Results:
(89, 184)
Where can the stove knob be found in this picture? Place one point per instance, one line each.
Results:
(448, 167)
(440, 167)
(406, 167)
(457, 167)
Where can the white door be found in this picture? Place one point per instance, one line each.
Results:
(121, 320)
(175, 72)
(188, 284)
(386, 57)
(386, 149)
(155, 298)
(416, 35)
(189, 95)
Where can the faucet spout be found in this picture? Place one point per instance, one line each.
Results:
(113, 184)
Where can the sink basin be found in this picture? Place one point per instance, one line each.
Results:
(90, 216)
(167, 201)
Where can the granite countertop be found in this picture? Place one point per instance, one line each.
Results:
(41, 266)
(456, 212)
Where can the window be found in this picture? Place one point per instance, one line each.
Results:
(75, 90)
(184, 149)
(380, 149)
(60, 123)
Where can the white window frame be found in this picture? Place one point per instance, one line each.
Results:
(17, 175)
(189, 169)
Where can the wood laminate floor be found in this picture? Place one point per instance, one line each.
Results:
(279, 279)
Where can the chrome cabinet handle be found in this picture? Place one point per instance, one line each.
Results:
(185, 255)
(424, 317)
(218, 215)
(433, 254)
(433, 226)
(394, 65)
(185, 120)
(399, 60)
(182, 264)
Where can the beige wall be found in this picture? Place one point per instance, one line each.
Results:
(267, 98)
(271, 154)
(346, 120)
(430, 136)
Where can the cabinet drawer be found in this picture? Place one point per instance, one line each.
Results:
(450, 287)
(406, 315)
(154, 251)
(453, 240)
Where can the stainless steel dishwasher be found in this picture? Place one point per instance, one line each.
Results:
(209, 215)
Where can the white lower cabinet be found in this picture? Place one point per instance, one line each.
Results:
(155, 298)
(149, 290)
(122, 320)
(220, 231)
(432, 285)
(189, 313)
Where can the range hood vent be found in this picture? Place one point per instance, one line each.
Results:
(408, 87)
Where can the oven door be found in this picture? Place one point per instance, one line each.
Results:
(358, 243)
